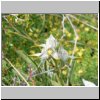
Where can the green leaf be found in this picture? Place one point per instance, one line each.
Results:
(54, 83)
(25, 58)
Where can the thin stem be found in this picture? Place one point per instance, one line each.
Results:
(43, 24)
(73, 52)
(76, 38)
(50, 70)
(93, 27)
(63, 23)
(17, 71)
(17, 31)
(63, 26)
(43, 72)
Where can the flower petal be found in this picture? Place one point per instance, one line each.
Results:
(51, 42)
(55, 55)
(37, 54)
(63, 54)
(42, 45)
(44, 54)
(88, 83)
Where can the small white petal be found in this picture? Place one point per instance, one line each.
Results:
(51, 42)
(37, 54)
(44, 56)
(63, 53)
(42, 45)
(55, 55)
(88, 83)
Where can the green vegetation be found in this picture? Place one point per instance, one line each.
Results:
(22, 35)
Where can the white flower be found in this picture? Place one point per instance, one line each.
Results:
(51, 42)
(88, 83)
(49, 49)
(63, 54)
(55, 55)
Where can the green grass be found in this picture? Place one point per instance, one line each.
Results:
(21, 35)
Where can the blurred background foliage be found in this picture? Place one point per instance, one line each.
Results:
(21, 35)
